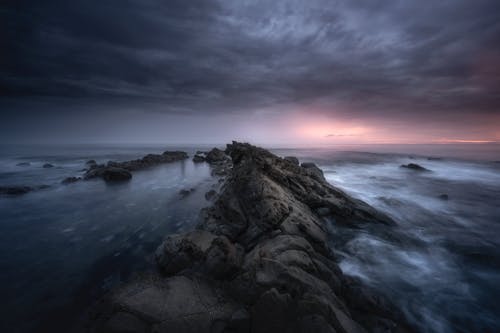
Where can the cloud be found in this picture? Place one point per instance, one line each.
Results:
(405, 59)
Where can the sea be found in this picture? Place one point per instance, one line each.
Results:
(65, 246)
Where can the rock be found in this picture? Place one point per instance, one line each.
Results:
(184, 192)
(15, 190)
(70, 180)
(199, 158)
(48, 165)
(91, 162)
(434, 158)
(111, 174)
(20, 190)
(415, 167)
(314, 170)
(210, 194)
(443, 196)
(292, 159)
(259, 261)
(215, 155)
(23, 164)
(115, 171)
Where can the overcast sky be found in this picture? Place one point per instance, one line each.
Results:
(318, 71)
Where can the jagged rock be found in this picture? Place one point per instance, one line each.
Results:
(48, 165)
(70, 180)
(91, 162)
(115, 171)
(314, 170)
(292, 159)
(415, 167)
(260, 260)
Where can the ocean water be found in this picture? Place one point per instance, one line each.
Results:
(441, 263)
(64, 246)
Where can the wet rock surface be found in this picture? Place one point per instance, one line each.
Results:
(259, 261)
(120, 171)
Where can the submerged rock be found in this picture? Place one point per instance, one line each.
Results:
(23, 164)
(185, 192)
(258, 262)
(70, 180)
(15, 190)
(444, 197)
(48, 165)
(415, 167)
(20, 190)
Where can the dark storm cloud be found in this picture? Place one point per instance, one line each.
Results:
(365, 57)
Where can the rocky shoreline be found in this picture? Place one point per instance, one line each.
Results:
(258, 262)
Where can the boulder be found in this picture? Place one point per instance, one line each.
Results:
(215, 155)
(313, 170)
(48, 165)
(415, 167)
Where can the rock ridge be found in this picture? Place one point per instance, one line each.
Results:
(259, 261)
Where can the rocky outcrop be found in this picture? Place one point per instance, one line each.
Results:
(20, 190)
(120, 171)
(259, 262)
(415, 167)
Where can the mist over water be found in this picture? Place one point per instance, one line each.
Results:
(63, 247)
(441, 263)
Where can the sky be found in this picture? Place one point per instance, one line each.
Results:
(278, 72)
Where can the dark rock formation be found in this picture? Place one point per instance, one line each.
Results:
(415, 167)
(444, 196)
(20, 190)
(185, 192)
(91, 162)
(48, 165)
(259, 262)
(70, 180)
(15, 190)
(198, 158)
(292, 159)
(23, 164)
(216, 155)
(118, 171)
(116, 174)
